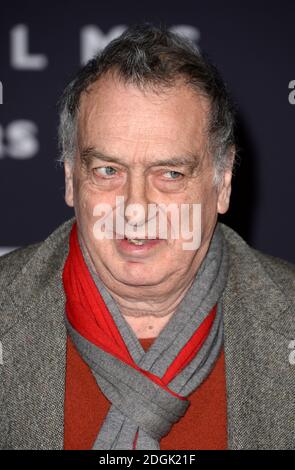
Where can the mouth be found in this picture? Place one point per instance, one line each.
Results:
(140, 241)
(138, 245)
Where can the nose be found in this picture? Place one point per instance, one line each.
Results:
(136, 200)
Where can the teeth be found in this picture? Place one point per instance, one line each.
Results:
(136, 241)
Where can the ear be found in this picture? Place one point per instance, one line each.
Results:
(225, 186)
(69, 190)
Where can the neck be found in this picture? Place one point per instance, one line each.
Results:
(148, 317)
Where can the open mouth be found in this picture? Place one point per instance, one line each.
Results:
(138, 245)
(139, 241)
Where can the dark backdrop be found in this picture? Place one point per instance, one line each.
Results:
(42, 45)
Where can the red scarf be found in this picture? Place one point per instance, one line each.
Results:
(89, 315)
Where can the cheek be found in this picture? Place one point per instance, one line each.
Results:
(204, 216)
(208, 215)
(84, 203)
(176, 259)
(209, 199)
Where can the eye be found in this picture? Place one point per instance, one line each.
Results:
(105, 171)
(173, 175)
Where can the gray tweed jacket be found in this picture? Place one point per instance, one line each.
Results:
(259, 322)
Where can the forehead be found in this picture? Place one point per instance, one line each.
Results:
(121, 118)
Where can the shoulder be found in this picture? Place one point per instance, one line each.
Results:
(14, 263)
(281, 272)
(260, 287)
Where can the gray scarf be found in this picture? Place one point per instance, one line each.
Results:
(139, 406)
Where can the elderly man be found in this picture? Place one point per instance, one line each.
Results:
(117, 333)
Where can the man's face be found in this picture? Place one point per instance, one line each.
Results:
(148, 148)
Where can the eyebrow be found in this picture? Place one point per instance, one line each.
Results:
(191, 160)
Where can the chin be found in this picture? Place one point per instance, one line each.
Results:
(138, 276)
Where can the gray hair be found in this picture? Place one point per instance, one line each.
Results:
(148, 55)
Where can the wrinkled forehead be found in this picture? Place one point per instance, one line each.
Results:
(115, 116)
